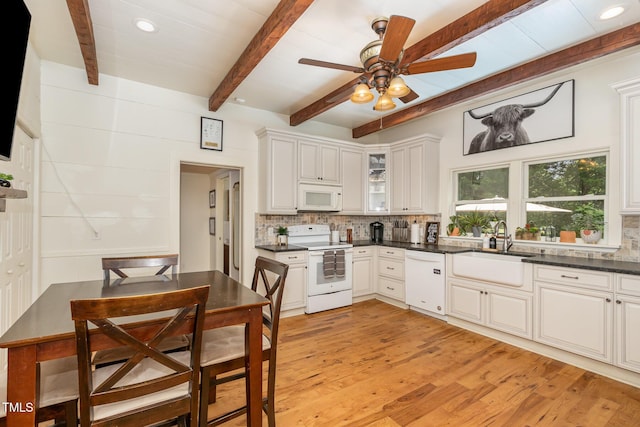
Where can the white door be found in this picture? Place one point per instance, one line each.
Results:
(16, 237)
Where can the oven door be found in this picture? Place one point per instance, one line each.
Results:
(319, 282)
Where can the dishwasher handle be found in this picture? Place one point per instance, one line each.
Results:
(420, 256)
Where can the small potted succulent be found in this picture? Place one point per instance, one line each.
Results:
(5, 180)
(282, 237)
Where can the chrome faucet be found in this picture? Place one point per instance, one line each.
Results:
(506, 238)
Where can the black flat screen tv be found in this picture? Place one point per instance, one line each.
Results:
(20, 20)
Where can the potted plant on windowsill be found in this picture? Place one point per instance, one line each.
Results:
(476, 222)
(282, 238)
(588, 220)
(5, 180)
(455, 227)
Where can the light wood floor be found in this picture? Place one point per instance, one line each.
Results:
(373, 364)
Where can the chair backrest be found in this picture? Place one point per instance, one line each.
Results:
(269, 278)
(144, 395)
(117, 264)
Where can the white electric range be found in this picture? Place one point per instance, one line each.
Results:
(329, 267)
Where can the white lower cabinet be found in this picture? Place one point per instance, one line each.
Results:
(391, 273)
(295, 286)
(492, 306)
(363, 268)
(574, 319)
(627, 322)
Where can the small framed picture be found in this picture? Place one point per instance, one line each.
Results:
(212, 226)
(210, 134)
(212, 198)
(432, 232)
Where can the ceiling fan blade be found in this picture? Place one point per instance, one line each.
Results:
(333, 65)
(464, 60)
(410, 97)
(395, 36)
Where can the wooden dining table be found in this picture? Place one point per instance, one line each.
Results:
(46, 332)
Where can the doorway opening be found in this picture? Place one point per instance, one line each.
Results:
(210, 220)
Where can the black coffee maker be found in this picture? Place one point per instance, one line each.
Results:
(376, 231)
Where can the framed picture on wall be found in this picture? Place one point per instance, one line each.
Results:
(212, 226)
(212, 198)
(545, 114)
(431, 233)
(211, 134)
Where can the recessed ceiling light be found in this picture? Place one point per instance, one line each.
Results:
(611, 12)
(145, 25)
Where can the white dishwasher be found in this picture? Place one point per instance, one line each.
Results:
(424, 274)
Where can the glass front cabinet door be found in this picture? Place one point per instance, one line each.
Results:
(377, 191)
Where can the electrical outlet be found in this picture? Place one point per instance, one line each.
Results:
(270, 231)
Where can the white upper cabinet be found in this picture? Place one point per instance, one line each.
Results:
(414, 181)
(630, 145)
(353, 188)
(318, 162)
(278, 160)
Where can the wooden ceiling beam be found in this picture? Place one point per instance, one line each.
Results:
(81, 18)
(474, 23)
(281, 19)
(592, 49)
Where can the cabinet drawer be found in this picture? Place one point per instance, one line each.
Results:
(292, 257)
(391, 252)
(362, 251)
(391, 268)
(575, 277)
(391, 288)
(628, 284)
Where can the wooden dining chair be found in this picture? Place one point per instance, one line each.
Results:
(57, 399)
(117, 264)
(223, 349)
(150, 386)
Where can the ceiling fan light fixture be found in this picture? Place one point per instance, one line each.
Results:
(398, 88)
(384, 103)
(362, 94)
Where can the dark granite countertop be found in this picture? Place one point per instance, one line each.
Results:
(625, 267)
(281, 248)
(442, 249)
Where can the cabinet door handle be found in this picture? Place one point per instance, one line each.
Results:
(565, 276)
(390, 268)
(618, 301)
(608, 299)
(390, 288)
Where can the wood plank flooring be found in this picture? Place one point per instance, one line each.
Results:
(373, 364)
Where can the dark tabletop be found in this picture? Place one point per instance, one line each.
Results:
(49, 317)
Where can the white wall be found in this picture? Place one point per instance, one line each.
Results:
(195, 241)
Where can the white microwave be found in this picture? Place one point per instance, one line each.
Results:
(319, 197)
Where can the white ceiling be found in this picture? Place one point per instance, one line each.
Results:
(198, 41)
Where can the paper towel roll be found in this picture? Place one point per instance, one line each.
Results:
(415, 233)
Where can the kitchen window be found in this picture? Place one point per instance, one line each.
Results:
(561, 193)
(538, 199)
(481, 198)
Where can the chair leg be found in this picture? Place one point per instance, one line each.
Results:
(205, 391)
(213, 389)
